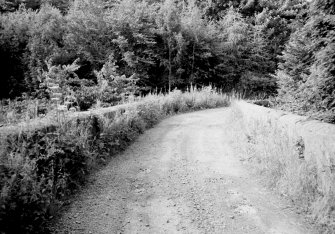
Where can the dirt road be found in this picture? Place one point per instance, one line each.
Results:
(180, 177)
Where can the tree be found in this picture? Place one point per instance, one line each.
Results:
(233, 46)
(320, 85)
(259, 64)
(297, 59)
(62, 5)
(45, 43)
(169, 27)
(217, 8)
(309, 63)
(13, 5)
(14, 37)
(135, 41)
(87, 36)
(194, 28)
(112, 87)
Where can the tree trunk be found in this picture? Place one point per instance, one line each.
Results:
(192, 72)
(170, 66)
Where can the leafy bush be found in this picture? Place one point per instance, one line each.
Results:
(86, 97)
(113, 88)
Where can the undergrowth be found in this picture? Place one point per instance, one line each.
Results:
(279, 156)
(40, 169)
(22, 109)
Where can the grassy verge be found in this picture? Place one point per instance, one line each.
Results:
(278, 154)
(40, 168)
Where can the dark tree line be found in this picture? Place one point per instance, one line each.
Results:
(284, 46)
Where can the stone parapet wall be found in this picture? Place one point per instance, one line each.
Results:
(318, 138)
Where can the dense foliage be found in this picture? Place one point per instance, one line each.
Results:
(246, 45)
(163, 44)
(307, 73)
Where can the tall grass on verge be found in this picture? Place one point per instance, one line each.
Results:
(40, 168)
(279, 156)
(16, 111)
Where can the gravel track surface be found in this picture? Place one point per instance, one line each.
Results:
(180, 177)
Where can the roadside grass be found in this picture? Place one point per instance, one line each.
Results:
(16, 111)
(276, 154)
(39, 169)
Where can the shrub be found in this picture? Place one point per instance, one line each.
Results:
(40, 169)
(86, 97)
